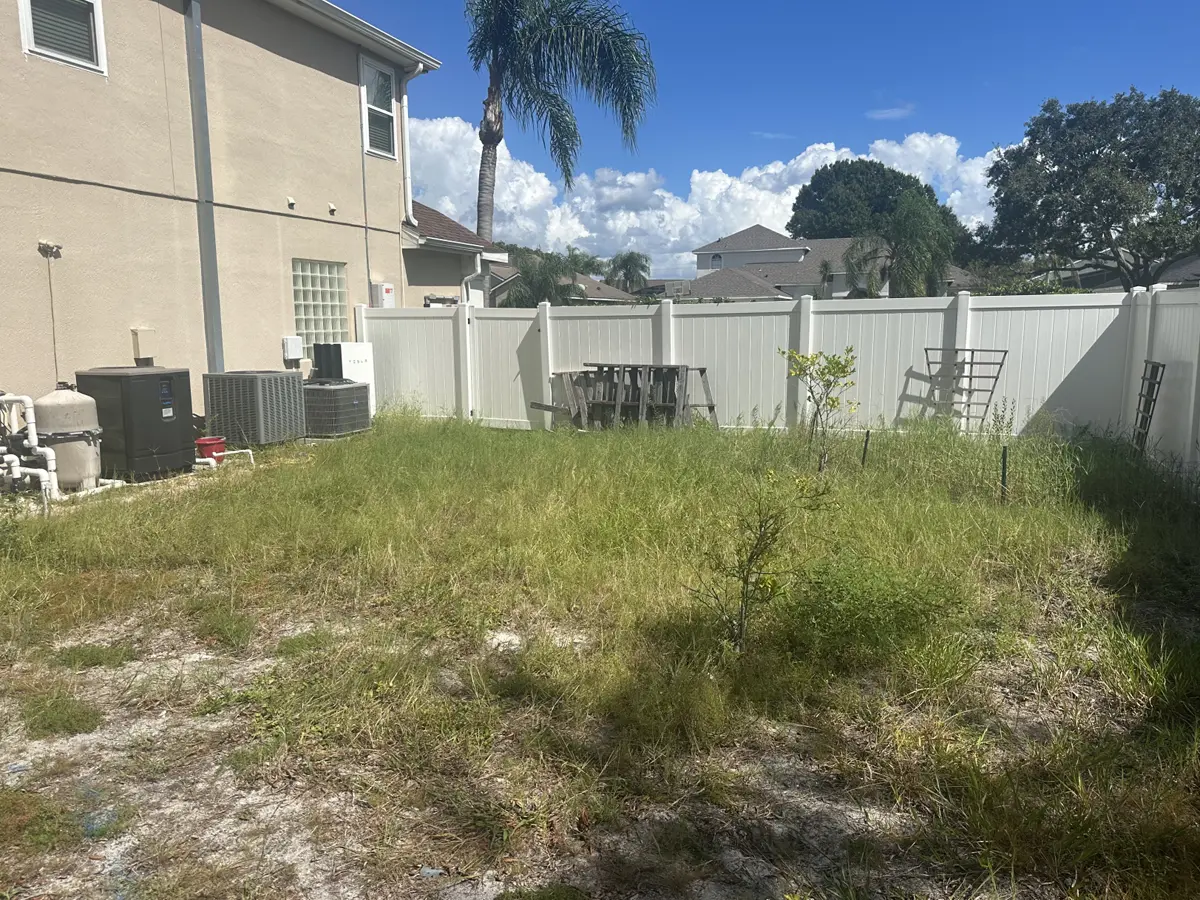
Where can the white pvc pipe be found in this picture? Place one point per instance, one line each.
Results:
(206, 461)
(51, 468)
(225, 453)
(105, 484)
(27, 411)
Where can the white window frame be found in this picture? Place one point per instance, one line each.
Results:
(716, 261)
(25, 15)
(366, 64)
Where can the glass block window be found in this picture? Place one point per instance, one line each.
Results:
(319, 295)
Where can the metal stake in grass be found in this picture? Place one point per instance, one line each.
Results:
(1004, 474)
(866, 444)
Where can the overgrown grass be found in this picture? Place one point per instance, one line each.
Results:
(57, 713)
(90, 656)
(915, 604)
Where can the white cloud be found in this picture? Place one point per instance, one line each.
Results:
(608, 210)
(892, 113)
(934, 158)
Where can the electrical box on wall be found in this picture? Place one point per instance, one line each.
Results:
(383, 296)
(293, 348)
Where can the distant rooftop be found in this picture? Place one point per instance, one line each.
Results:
(756, 237)
(734, 284)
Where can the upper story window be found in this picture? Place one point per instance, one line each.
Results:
(71, 31)
(379, 108)
(716, 261)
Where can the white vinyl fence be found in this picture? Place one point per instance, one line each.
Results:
(1078, 357)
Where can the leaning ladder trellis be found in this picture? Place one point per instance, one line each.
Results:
(1152, 378)
(964, 381)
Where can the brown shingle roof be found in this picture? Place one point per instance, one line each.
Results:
(756, 237)
(598, 290)
(440, 227)
(808, 270)
(734, 284)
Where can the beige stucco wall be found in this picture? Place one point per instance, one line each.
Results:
(132, 128)
(434, 272)
(144, 271)
(256, 287)
(736, 259)
(285, 121)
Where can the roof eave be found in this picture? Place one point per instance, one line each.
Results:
(334, 19)
(437, 243)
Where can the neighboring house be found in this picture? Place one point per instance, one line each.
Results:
(503, 278)
(723, 284)
(598, 292)
(794, 266)
(444, 261)
(224, 172)
(1181, 274)
(755, 245)
(590, 290)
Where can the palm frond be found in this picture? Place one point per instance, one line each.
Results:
(541, 52)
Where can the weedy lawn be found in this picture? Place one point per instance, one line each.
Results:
(443, 660)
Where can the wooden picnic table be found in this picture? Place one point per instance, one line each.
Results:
(606, 394)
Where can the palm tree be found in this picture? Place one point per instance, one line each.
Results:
(914, 247)
(538, 54)
(629, 271)
(826, 272)
(545, 277)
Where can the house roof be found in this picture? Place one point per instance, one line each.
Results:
(756, 237)
(598, 290)
(959, 278)
(734, 284)
(808, 270)
(1185, 270)
(440, 227)
(332, 18)
(502, 273)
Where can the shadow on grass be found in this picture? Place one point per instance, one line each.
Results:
(661, 728)
(1115, 812)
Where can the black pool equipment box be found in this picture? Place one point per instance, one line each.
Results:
(146, 416)
(336, 406)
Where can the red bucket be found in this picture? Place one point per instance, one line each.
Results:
(211, 447)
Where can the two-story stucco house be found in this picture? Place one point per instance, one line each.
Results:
(223, 172)
(794, 266)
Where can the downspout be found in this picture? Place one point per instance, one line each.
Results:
(206, 225)
(408, 191)
(362, 107)
(465, 295)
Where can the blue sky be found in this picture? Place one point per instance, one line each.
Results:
(745, 85)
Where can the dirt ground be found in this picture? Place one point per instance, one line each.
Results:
(188, 826)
